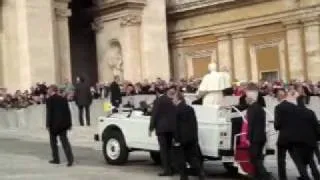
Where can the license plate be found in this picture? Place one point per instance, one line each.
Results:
(227, 159)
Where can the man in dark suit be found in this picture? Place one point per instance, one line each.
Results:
(115, 98)
(58, 123)
(186, 138)
(309, 128)
(287, 119)
(83, 99)
(163, 120)
(256, 132)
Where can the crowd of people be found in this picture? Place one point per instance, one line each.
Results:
(38, 93)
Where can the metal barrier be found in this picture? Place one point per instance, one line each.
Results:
(33, 117)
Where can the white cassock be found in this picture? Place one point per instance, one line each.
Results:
(213, 83)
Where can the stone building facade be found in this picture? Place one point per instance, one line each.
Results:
(261, 39)
(146, 39)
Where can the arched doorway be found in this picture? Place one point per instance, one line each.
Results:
(83, 41)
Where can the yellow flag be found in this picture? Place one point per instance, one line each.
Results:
(107, 106)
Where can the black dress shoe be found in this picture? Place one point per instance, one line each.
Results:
(69, 164)
(166, 174)
(54, 162)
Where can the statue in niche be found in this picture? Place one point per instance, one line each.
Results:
(115, 60)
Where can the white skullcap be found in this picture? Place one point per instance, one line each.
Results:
(212, 67)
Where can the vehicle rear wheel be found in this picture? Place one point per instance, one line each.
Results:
(155, 156)
(230, 168)
(115, 150)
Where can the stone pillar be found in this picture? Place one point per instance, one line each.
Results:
(240, 53)
(225, 53)
(105, 73)
(131, 47)
(178, 60)
(29, 52)
(63, 42)
(295, 50)
(312, 43)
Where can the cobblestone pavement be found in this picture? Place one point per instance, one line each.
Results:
(24, 155)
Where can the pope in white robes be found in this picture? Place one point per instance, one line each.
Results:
(212, 85)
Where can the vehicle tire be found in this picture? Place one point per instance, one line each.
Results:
(230, 168)
(115, 150)
(156, 158)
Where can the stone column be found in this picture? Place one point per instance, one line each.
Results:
(105, 73)
(178, 60)
(63, 42)
(312, 43)
(240, 53)
(225, 53)
(295, 50)
(132, 66)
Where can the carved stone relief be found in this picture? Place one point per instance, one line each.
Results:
(130, 20)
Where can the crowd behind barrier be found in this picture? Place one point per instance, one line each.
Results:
(34, 117)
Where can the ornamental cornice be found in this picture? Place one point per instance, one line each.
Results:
(200, 53)
(176, 6)
(62, 4)
(130, 20)
(178, 9)
(104, 7)
(97, 26)
(63, 13)
(282, 17)
(311, 21)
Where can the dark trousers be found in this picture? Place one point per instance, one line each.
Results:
(87, 110)
(317, 152)
(257, 158)
(306, 154)
(282, 155)
(296, 151)
(165, 144)
(65, 145)
(189, 153)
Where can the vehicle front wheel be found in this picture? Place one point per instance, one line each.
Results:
(230, 168)
(155, 156)
(114, 148)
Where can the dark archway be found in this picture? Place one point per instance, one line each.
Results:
(83, 41)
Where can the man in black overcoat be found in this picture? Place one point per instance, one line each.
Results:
(256, 116)
(289, 123)
(116, 98)
(186, 139)
(163, 120)
(83, 99)
(309, 128)
(58, 123)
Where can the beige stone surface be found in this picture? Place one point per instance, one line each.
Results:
(231, 15)
(240, 56)
(103, 39)
(295, 52)
(28, 45)
(155, 55)
(312, 38)
(224, 52)
(62, 40)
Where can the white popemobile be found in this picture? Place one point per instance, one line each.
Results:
(127, 131)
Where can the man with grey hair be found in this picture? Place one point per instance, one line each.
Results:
(256, 132)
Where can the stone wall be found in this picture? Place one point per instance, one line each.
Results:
(242, 30)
